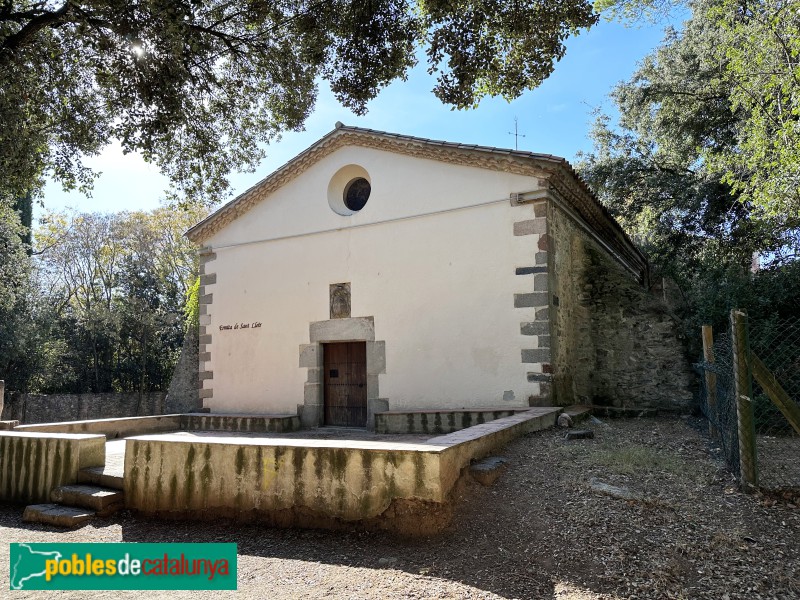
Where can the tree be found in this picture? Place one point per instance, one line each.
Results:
(116, 287)
(16, 296)
(199, 86)
(761, 53)
(756, 57)
(658, 173)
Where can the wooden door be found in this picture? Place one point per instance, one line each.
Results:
(345, 384)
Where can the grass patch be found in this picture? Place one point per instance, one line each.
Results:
(629, 460)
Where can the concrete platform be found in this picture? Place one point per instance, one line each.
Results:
(310, 479)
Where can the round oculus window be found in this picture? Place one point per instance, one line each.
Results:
(356, 194)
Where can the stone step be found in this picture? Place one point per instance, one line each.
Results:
(101, 476)
(55, 514)
(104, 501)
(578, 412)
(487, 471)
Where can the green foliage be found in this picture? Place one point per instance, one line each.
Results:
(636, 11)
(102, 308)
(16, 294)
(200, 86)
(191, 310)
(760, 48)
(664, 174)
(14, 263)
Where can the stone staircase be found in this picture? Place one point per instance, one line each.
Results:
(98, 493)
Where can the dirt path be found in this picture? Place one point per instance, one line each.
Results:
(539, 532)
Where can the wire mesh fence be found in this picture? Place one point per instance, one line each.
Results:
(747, 421)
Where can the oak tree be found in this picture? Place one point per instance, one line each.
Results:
(200, 86)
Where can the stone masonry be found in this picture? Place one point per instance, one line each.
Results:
(208, 279)
(534, 302)
(615, 344)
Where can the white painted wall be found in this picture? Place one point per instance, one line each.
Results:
(440, 287)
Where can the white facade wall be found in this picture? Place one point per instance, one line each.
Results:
(431, 257)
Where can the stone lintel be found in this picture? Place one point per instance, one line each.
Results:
(355, 329)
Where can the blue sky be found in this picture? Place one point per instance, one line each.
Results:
(555, 119)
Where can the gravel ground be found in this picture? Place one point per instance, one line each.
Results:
(538, 532)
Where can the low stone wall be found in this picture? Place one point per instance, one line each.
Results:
(32, 408)
(237, 422)
(438, 421)
(111, 428)
(33, 464)
(311, 483)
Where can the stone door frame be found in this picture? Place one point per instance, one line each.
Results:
(354, 329)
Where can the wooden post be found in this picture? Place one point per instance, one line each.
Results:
(775, 391)
(748, 464)
(711, 380)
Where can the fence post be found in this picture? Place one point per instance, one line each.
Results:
(748, 463)
(711, 380)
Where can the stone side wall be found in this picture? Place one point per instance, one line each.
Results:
(616, 344)
(32, 408)
(183, 395)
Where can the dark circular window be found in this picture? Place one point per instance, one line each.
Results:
(356, 194)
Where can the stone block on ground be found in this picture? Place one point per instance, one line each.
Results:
(621, 493)
(54, 514)
(487, 471)
(564, 420)
(580, 434)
